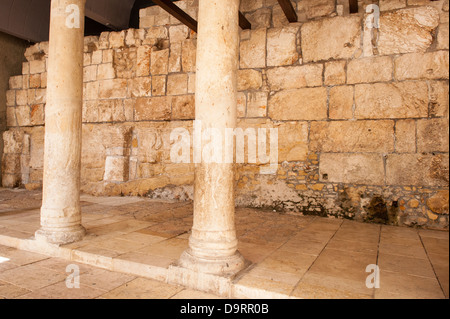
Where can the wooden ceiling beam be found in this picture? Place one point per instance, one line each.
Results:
(187, 20)
(175, 11)
(289, 10)
(354, 6)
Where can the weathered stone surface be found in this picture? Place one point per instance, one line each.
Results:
(386, 5)
(295, 77)
(292, 141)
(439, 98)
(341, 102)
(407, 30)
(431, 65)
(183, 107)
(335, 73)
(249, 80)
(405, 136)
(253, 49)
(156, 108)
(159, 62)
(13, 142)
(317, 8)
(112, 89)
(432, 135)
(188, 53)
(111, 111)
(105, 72)
(282, 46)
(439, 203)
(257, 104)
(260, 18)
(158, 85)
(251, 5)
(178, 33)
(368, 70)
(116, 169)
(143, 60)
(334, 38)
(300, 104)
(365, 169)
(175, 58)
(417, 169)
(396, 100)
(177, 84)
(37, 66)
(443, 37)
(352, 136)
(140, 87)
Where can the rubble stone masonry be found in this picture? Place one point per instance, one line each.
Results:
(362, 114)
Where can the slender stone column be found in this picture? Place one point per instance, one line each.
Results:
(213, 243)
(60, 212)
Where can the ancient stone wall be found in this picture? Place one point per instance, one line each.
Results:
(361, 112)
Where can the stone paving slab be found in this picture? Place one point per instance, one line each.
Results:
(132, 246)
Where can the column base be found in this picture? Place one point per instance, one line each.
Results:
(224, 266)
(61, 236)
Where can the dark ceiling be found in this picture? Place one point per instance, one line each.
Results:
(29, 19)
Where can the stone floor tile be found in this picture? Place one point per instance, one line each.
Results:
(311, 291)
(60, 265)
(405, 265)
(120, 245)
(436, 245)
(353, 246)
(171, 248)
(11, 291)
(416, 251)
(61, 291)
(403, 286)
(194, 294)
(104, 279)
(142, 288)
(154, 260)
(288, 262)
(31, 277)
(303, 247)
(266, 285)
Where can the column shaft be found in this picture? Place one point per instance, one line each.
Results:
(60, 212)
(213, 243)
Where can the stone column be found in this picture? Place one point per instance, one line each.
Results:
(60, 212)
(213, 243)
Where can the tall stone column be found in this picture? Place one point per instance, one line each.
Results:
(213, 243)
(60, 212)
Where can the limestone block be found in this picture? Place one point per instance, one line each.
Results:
(21, 97)
(432, 135)
(13, 142)
(155, 34)
(386, 5)
(37, 66)
(367, 169)
(317, 8)
(124, 62)
(292, 141)
(177, 84)
(143, 60)
(341, 102)
(188, 55)
(282, 46)
(111, 111)
(352, 136)
(257, 104)
(112, 89)
(90, 73)
(407, 30)
(295, 77)
(253, 49)
(34, 80)
(249, 80)
(432, 65)
(116, 169)
(91, 91)
(417, 169)
(438, 203)
(241, 104)
(300, 104)
(443, 37)
(10, 98)
(37, 114)
(159, 62)
(11, 119)
(97, 57)
(116, 39)
(150, 144)
(368, 70)
(439, 98)
(333, 38)
(335, 73)
(159, 85)
(16, 82)
(178, 33)
(90, 112)
(405, 136)
(155, 108)
(23, 115)
(175, 58)
(251, 5)
(11, 164)
(260, 18)
(396, 100)
(183, 107)
(141, 87)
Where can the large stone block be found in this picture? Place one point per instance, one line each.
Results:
(112, 89)
(295, 77)
(341, 102)
(253, 49)
(368, 70)
(366, 169)
(155, 108)
(335, 73)
(334, 38)
(189, 55)
(352, 136)
(405, 136)
(13, 142)
(417, 170)
(177, 84)
(439, 98)
(431, 65)
(396, 100)
(249, 80)
(432, 135)
(292, 141)
(159, 62)
(282, 46)
(316, 8)
(183, 107)
(407, 30)
(257, 104)
(300, 104)
(143, 60)
(116, 169)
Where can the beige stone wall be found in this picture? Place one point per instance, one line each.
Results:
(362, 116)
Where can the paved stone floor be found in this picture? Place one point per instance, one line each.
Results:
(131, 242)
